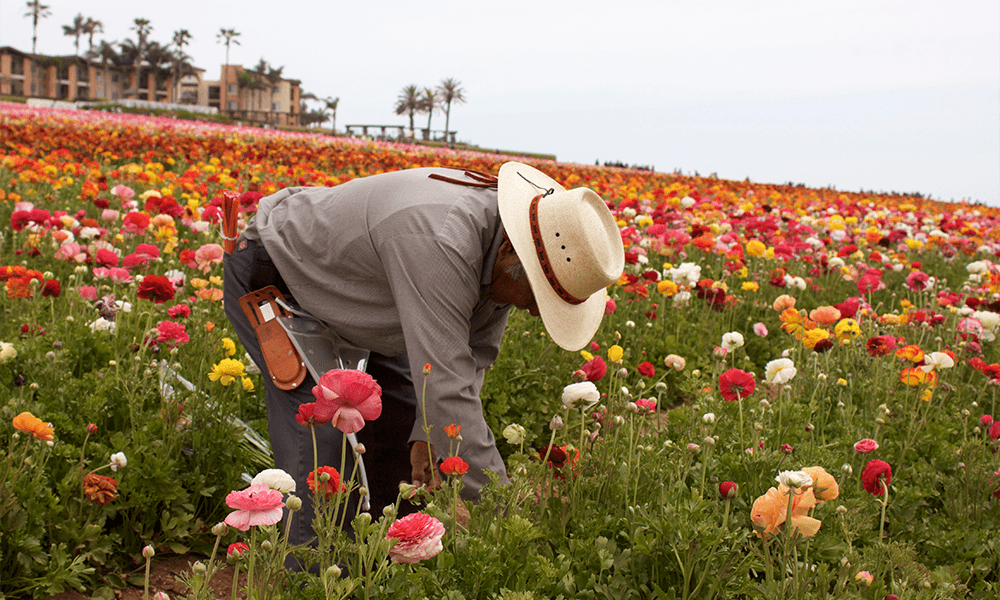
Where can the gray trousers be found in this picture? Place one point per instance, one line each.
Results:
(386, 439)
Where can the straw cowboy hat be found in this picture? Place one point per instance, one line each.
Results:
(570, 246)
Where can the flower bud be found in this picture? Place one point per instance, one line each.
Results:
(556, 423)
(362, 491)
(333, 571)
(841, 510)
(623, 372)
(708, 418)
(728, 490)
(631, 407)
(294, 503)
(389, 511)
(220, 529)
(266, 546)
(148, 552)
(708, 441)
(359, 449)
(199, 568)
(161, 596)
(847, 469)
(324, 477)
(364, 519)
(694, 448)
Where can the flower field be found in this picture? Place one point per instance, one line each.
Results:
(791, 396)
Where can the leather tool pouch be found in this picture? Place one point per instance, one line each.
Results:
(286, 367)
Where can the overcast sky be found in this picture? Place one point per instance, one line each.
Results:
(874, 95)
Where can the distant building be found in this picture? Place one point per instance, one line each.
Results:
(248, 97)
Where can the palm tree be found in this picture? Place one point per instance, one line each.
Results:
(107, 53)
(408, 103)
(91, 27)
(158, 57)
(226, 36)
(36, 10)
(273, 77)
(331, 104)
(75, 30)
(142, 29)
(182, 62)
(428, 104)
(450, 91)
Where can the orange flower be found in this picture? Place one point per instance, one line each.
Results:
(99, 489)
(912, 353)
(783, 303)
(29, 423)
(915, 376)
(824, 485)
(770, 512)
(825, 315)
(452, 430)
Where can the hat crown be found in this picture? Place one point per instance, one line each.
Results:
(579, 234)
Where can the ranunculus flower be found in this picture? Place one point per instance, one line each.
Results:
(865, 446)
(794, 479)
(208, 256)
(780, 370)
(825, 315)
(418, 537)
(728, 490)
(646, 404)
(672, 361)
(646, 369)
(106, 258)
(770, 511)
(594, 369)
(454, 465)
(581, 395)
(732, 340)
(514, 434)
(237, 548)
(348, 398)
(29, 423)
(615, 353)
(736, 384)
(609, 307)
(256, 505)
(51, 288)
(118, 461)
(276, 479)
(226, 371)
(307, 415)
(332, 484)
(876, 470)
(156, 288)
(760, 329)
(880, 345)
(824, 486)
(99, 489)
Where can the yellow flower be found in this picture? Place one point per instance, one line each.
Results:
(847, 329)
(198, 283)
(756, 248)
(813, 337)
(228, 347)
(667, 287)
(750, 286)
(226, 371)
(587, 356)
(615, 353)
(247, 384)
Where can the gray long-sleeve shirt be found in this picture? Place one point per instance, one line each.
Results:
(400, 263)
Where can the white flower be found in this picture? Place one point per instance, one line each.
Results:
(687, 201)
(123, 306)
(7, 352)
(936, 361)
(780, 370)
(581, 395)
(794, 479)
(732, 340)
(118, 460)
(977, 268)
(514, 434)
(686, 274)
(102, 324)
(708, 418)
(682, 298)
(276, 479)
(200, 226)
(990, 320)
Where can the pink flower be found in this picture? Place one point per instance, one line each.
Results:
(147, 251)
(122, 192)
(865, 446)
(646, 404)
(594, 369)
(106, 258)
(610, 307)
(179, 311)
(256, 505)
(208, 256)
(348, 398)
(87, 292)
(170, 333)
(418, 538)
(760, 329)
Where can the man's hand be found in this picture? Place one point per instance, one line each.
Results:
(423, 471)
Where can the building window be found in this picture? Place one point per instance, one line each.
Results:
(64, 73)
(16, 66)
(232, 105)
(213, 93)
(114, 78)
(81, 91)
(17, 87)
(232, 88)
(275, 106)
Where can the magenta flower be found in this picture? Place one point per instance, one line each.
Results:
(418, 538)
(256, 505)
(347, 398)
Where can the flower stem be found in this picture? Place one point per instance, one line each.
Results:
(885, 502)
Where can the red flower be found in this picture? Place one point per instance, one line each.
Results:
(646, 369)
(594, 369)
(736, 384)
(331, 485)
(156, 288)
(453, 465)
(880, 345)
(237, 548)
(179, 311)
(986, 420)
(106, 258)
(307, 415)
(99, 489)
(995, 430)
(875, 471)
(51, 289)
(728, 490)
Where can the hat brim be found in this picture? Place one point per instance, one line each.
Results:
(571, 326)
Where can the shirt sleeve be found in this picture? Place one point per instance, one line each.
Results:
(436, 286)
